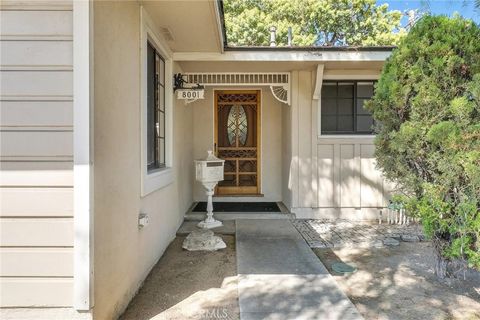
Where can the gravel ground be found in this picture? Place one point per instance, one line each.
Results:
(399, 283)
(189, 285)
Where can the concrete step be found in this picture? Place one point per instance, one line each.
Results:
(197, 216)
(228, 228)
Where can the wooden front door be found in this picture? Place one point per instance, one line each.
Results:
(237, 141)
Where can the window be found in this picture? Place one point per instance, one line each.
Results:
(342, 107)
(156, 87)
(155, 109)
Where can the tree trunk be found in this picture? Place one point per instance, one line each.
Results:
(440, 265)
(447, 268)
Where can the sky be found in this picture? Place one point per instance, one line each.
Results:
(465, 8)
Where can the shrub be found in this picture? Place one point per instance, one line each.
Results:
(427, 110)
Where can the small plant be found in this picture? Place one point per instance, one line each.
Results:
(427, 110)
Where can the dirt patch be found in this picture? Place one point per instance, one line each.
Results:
(399, 283)
(189, 285)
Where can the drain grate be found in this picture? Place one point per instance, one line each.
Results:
(341, 267)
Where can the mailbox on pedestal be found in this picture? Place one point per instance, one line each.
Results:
(210, 169)
(209, 172)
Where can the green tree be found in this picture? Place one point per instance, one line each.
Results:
(427, 106)
(313, 22)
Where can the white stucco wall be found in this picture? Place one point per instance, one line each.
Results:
(271, 148)
(124, 254)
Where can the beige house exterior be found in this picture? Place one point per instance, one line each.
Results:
(73, 171)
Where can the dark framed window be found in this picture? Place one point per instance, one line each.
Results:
(342, 107)
(155, 109)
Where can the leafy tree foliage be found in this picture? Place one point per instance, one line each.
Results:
(427, 106)
(313, 22)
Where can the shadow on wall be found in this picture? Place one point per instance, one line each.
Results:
(353, 186)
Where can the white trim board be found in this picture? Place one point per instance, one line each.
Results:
(279, 82)
(317, 56)
(82, 154)
(351, 74)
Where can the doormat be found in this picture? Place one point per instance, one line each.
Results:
(239, 207)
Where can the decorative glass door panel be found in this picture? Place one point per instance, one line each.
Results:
(237, 125)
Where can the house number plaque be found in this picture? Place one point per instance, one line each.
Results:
(189, 94)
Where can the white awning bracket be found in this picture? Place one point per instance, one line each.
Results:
(279, 82)
(281, 93)
(318, 82)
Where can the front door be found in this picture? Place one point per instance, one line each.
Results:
(237, 141)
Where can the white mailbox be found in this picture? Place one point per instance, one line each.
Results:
(210, 169)
(209, 172)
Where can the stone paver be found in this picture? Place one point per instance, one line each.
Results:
(281, 278)
(344, 233)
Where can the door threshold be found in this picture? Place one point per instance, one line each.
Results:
(259, 195)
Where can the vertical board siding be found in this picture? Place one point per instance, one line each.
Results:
(305, 196)
(294, 173)
(349, 190)
(347, 176)
(370, 178)
(36, 167)
(326, 177)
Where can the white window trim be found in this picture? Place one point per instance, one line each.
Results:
(326, 137)
(164, 176)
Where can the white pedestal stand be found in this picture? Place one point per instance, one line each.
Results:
(209, 222)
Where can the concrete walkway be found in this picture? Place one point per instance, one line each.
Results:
(281, 278)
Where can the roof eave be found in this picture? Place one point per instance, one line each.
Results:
(288, 55)
(310, 48)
